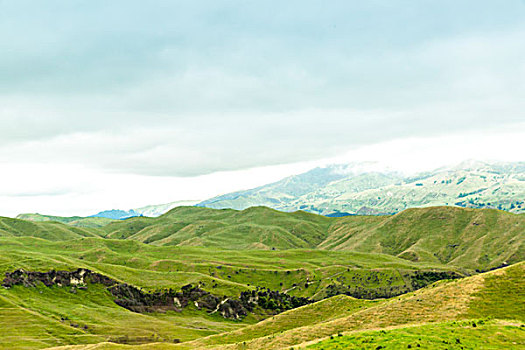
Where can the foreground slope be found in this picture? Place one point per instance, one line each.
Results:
(472, 334)
(35, 318)
(453, 310)
(497, 294)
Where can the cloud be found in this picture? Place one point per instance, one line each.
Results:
(66, 189)
(234, 143)
(185, 89)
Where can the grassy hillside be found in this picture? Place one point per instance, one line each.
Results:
(456, 236)
(42, 317)
(436, 317)
(471, 238)
(467, 238)
(475, 334)
(444, 301)
(58, 316)
(49, 230)
(232, 271)
(322, 311)
(77, 221)
(226, 252)
(253, 228)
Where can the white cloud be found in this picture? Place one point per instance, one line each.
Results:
(64, 189)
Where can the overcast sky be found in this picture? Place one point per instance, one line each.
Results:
(118, 104)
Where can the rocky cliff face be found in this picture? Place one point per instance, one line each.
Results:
(137, 300)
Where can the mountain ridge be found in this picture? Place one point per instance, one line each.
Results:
(330, 191)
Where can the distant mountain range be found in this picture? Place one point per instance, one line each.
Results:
(361, 189)
(104, 217)
(149, 210)
(339, 190)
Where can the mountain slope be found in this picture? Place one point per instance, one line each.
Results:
(159, 209)
(278, 194)
(349, 189)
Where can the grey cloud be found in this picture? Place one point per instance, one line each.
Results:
(242, 143)
(188, 88)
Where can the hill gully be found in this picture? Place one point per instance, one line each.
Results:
(137, 300)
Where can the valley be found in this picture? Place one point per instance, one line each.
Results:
(257, 277)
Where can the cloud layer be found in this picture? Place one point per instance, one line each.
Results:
(189, 88)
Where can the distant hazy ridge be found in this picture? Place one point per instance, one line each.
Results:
(350, 189)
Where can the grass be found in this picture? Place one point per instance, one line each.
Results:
(472, 238)
(229, 251)
(233, 271)
(321, 311)
(43, 317)
(441, 302)
(78, 221)
(502, 295)
(472, 334)
(436, 317)
(49, 230)
(31, 318)
(465, 238)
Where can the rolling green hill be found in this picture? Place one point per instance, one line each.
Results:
(39, 317)
(360, 273)
(77, 221)
(253, 228)
(50, 230)
(462, 237)
(472, 238)
(483, 311)
(498, 294)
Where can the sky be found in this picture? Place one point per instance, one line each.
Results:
(120, 104)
